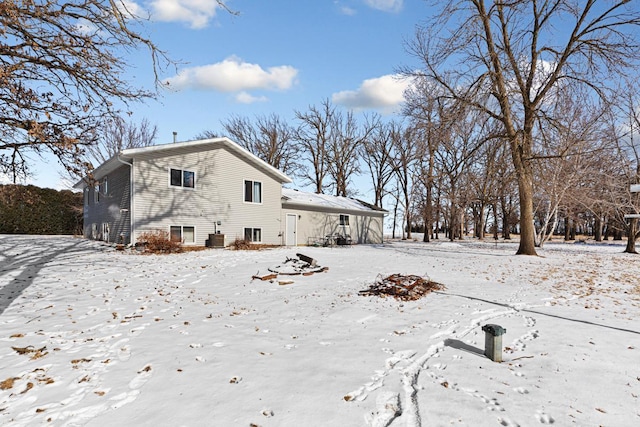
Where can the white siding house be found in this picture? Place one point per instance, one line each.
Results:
(311, 218)
(197, 189)
(190, 189)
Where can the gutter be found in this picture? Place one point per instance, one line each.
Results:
(131, 199)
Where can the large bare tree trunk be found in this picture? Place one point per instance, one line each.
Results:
(527, 229)
(633, 235)
(598, 228)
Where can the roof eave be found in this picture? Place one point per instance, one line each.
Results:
(335, 209)
(224, 141)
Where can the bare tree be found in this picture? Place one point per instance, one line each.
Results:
(407, 149)
(628, 165)
(116, 134)
(313, 134)
(428, 111)
(569, 149)
(62, 71)
(208, 134)
(376, 154)
(507, 58)
(455, 154)
(269, 137)
(483, 184)
(343, 151)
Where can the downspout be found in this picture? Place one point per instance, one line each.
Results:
(131, 204)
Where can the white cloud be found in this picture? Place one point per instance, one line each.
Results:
(247, 98)
(196, 13)
(234, 75)
(384, 93)
(346, 10)
(131, 8)
(385, 5)
(85, 27)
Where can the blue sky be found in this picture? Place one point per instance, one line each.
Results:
(276, 56)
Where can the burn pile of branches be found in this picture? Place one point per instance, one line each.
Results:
(401, 287)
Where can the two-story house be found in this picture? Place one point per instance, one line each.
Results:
(195, 189)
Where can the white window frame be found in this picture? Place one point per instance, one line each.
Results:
(182, 171)
(182, 227)
(253, 191)
(342, 218)
(104, 186)
(86, 196)
(253, 234)
(96, 194)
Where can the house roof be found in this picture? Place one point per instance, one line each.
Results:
(131, 153)
(325, 201)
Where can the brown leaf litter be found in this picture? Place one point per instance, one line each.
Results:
(402, 287)
(35, 353)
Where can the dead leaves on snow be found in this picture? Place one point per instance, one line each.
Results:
(8, 383)
(402, 287)
(36, 353)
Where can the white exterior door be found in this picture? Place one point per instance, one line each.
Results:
(292, 224)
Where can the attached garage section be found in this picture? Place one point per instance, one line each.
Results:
(310, 219)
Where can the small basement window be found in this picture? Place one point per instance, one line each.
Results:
(183, 234)
(253, 234)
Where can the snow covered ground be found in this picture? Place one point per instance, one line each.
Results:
(91, 336)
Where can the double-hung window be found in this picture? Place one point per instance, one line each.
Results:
(182, 178)
(252, 191)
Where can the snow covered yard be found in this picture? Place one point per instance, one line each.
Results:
(91, 336)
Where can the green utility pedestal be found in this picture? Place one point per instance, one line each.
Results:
(493, 341)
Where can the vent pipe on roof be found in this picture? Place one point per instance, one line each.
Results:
(175, 136)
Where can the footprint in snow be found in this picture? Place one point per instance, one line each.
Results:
(375, 384)
(136, 331)
(544, 418)
(124, 398)
(358, 395)
(507, 422)
(387, 409)
(124, 353)
(141, 378)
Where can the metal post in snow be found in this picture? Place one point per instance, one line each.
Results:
(493, 341)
